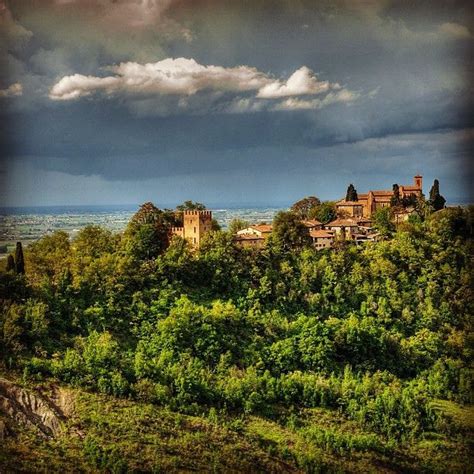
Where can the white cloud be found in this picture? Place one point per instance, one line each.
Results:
(341, 96)
(344, 95)
(185, 85)
(455, 30)
(13, 91)
(302, 82)
(168, 77)
(77, 85)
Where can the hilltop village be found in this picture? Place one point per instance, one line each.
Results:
(353, 218)
(346, 354)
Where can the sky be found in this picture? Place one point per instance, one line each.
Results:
(257, 102)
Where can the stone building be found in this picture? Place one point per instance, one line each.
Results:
(195, 225)
(343, 227)
(254, 235)
(368, 204)
(322, 239)
(313, 224)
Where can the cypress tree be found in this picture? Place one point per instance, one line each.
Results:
(436, 200)
(19, 260)
(10, 263)
(355, 197)
(351, 194)
(395, 199)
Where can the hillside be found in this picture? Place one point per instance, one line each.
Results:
(97, 432)
(141, 355)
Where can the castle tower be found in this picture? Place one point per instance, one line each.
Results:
(195, 225)
(418, 181)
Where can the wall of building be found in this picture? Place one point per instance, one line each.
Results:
(196, 224)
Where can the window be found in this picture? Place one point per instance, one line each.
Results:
(195, 230)
(194, 239)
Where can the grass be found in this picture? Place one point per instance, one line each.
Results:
(105, 434)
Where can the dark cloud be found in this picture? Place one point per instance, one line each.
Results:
(409, 63)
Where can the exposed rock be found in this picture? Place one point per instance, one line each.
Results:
(30, 409)
(3, 430)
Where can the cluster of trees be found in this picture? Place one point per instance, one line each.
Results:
(16, 263)
(377, 332)
(312, 208)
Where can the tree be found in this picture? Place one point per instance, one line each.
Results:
(215, 225)
(436, 200)
(395, 199)
(351, 194)
(191, 206)
(289, 233)
(325, 212)
(93, 241)
(48, 258)
(148, 213)
(409, 201)
(19, 259)
(236, 225)
(10, 263)
(303, 207)
(172, 218)
(383, 221)
(147, 234)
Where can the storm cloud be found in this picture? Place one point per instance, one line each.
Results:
(304, 93)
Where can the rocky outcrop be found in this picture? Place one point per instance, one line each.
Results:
(32, 409)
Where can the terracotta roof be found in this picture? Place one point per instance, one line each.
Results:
(321, 234)
(411, 188)
(262, 227)
(362, 196)
(342, 202)
(311, 222)
(248, 237)
(382, 192)
(342, 222)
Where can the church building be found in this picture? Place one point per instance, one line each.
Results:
(368, 204)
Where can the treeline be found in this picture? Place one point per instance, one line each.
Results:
(378, 331)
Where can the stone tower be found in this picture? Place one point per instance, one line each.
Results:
(418, 181)
(195, 225)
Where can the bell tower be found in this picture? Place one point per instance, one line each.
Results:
(418, 181)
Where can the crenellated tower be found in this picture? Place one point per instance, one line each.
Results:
(195, 225)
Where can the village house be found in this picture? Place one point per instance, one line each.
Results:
(254, 235)
(313, 224)
(322, 239)
(343, 227)
(402, 215)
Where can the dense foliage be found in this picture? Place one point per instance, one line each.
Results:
(312, 208)
(377, 332)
